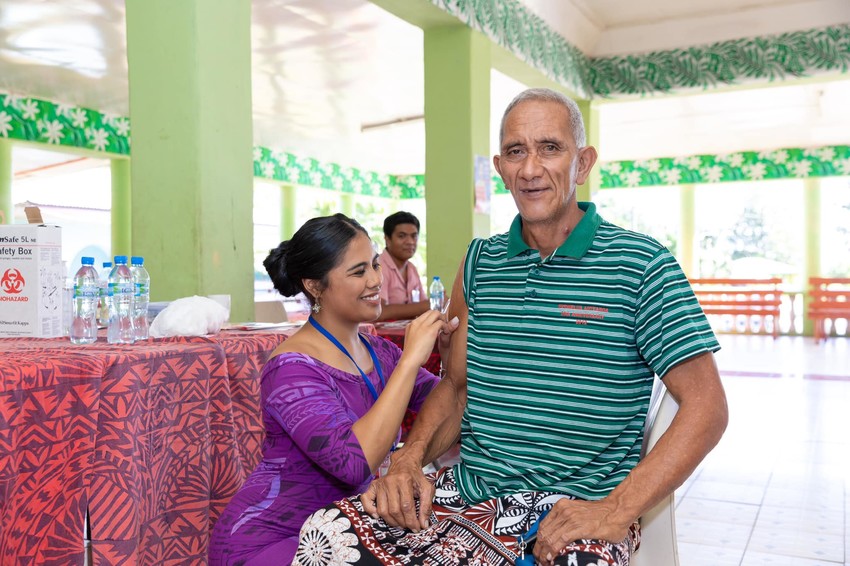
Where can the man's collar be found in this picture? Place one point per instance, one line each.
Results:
(391, 260)
(576, 244)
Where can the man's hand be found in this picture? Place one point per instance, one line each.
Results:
(393, 496)
(571, 520)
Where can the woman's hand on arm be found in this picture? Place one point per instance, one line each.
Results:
(378, 428)
(421, 335)
(436, 429)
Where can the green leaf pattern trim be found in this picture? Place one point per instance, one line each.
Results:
(42, 121)
(787, 163)
(511, 25)
(46, 122)
(289, 168)
(770, 58)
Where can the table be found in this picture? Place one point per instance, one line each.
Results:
(151, 439)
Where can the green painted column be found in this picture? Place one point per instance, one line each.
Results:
(190, 107)
(687, 222)
(457, 128)
(122, 207)
(287, 212)
(7, 213)
(590, 113)
(812, 244)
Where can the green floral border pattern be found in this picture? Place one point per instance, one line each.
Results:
(787, 163)
(289, 168)
(31, 119)
(43, 121)
(768, 58)
(513, 26)
(516, 28)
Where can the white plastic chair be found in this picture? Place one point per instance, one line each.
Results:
(658, 525)
(269, 311)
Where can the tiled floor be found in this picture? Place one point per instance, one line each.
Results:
(776, 490)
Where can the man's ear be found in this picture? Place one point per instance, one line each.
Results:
(587, 157)
(497, 164)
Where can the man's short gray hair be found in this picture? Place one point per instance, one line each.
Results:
(549, 95)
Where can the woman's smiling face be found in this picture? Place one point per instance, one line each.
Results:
(353, 286)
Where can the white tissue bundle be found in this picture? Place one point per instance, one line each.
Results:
(189, 316)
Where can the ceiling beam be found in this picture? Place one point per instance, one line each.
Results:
(420, 13)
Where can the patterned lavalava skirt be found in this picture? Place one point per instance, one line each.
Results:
(460, 533)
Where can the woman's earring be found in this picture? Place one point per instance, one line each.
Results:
(316, 307)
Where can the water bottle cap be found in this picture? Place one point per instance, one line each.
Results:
(107, 264)
(87, 261)
(121, 259)
(436, 278)
(137, 260)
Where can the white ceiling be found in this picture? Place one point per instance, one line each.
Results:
(71, 51)
(801, 115)
(323, 68)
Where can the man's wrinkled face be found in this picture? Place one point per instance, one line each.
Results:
(539, 160)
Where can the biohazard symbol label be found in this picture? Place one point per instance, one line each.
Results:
(12, 281)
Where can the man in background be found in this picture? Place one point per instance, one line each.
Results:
(402, 294)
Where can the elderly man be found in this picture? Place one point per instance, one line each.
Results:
(402, 294)
(565, 320)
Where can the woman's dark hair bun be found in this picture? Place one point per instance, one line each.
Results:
(275, 264)
(315, 249)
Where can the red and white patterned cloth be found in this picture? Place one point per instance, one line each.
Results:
(152, 439)
(460, 533)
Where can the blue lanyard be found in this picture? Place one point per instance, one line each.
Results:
(342, 349)
(523, 540)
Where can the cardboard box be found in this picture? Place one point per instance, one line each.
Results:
(31, 280)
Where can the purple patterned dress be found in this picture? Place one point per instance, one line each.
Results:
(311, 457)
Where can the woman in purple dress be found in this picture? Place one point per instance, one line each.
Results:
(332, 399)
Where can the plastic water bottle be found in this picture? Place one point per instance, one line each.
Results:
(437, 293)
(103, 295)
(142, 283)
(121, 291)
(84, 319)
(67, 300)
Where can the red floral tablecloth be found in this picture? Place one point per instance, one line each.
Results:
(152, 439)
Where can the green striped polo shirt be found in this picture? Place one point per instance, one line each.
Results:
(561, 354)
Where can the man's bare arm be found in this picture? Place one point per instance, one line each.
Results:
(696, 429)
